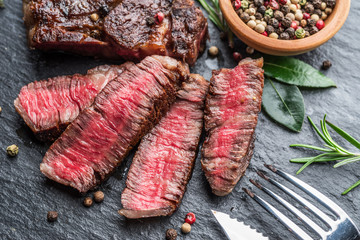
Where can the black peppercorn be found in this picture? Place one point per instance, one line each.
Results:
(291, 32)
(318, 12)
(245, 17)
(307, 34)
(313, 30)
(311, 22)
(330, 3)
(309, 8)
(326, 65)
(95, 34)
(269, 29)
(171, 234)
(103, 11)
(267, 19)
(259, 3)
(284, 36)
(150, 21)
(52, 216)
(279, 30)
(278, 15)
(285, 9)
(316, 3)
(261, 9)
(273, 22)
(258, 16)
(286, 22)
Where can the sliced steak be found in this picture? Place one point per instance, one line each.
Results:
(231, 113)
(115, 28)
(163, 164)
(48, 106)
(96, 142)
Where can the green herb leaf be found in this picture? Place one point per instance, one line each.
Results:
(336, 152)
(2, 5)
(345, 135)
(351, 188)
(295, 72)
(284, 103)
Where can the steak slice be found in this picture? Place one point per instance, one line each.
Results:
(48, 106)
(124, 29)
(162, 166)
(231, 113)
(96, 142)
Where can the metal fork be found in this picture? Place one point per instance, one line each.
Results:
(342, 228)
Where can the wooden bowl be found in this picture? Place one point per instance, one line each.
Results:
(285, 47)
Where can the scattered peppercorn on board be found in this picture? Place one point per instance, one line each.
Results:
(26, 196)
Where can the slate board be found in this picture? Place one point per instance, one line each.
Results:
(26, 195)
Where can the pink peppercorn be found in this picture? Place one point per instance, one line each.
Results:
(266, 3)
(282, 2)
(237, 56)
(190, 218)
(294, 25)
(265, 33)
(237, 4)
(306, 16)
(274, 5)
(159, 17)
(320, 24)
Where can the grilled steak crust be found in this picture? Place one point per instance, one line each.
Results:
(96, 142)
(119, 28)
(162, 166)
(49, 106)
(231, 113)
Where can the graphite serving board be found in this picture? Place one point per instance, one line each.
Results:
(26, 195)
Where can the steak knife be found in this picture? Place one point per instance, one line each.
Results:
(235, 230)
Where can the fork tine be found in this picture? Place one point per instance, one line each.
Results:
(278, 215)
(325, 201)
(292, 209)
(322, 216)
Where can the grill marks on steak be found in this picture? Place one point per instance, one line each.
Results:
(122, 30)
(48, 106)
(231, 113)
(125, 110)
(163, 164)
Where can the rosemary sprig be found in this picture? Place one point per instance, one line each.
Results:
(332, 151)
(217, 18)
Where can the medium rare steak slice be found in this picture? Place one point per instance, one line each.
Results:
(115, 28)
(231, 113)
(162, 166)
(96, 142)
(48, 106)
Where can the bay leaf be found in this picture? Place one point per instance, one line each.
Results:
(295, 72)
(284, 103)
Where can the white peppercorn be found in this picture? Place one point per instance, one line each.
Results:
(315, 17)
(250, 50)
(298, 16)
(293, 7)
(323, 6)
(328, 11)
(260, 28)
(213, 51)
(251, 23)
(252, 11)
(186, 228)
(274, 35)
(291, 16)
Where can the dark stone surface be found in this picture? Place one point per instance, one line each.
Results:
(26, 195)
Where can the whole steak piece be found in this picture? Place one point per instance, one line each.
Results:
(96, 142)
(49, 106)
(165, 158)
(115, 28)
(231, 113)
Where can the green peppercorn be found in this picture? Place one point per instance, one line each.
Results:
(302, 2)
(300, 33)
(244, 4)
(12, 150)
(269, 12)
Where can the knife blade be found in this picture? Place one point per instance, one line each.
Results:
(236, 230)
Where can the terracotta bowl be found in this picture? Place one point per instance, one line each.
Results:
(285, 47)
